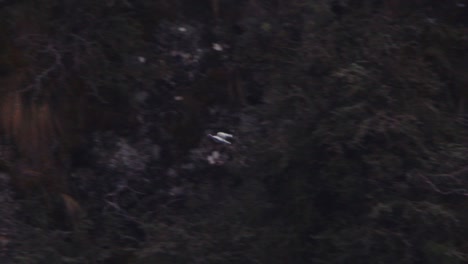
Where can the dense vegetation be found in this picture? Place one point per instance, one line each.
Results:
(349, 116)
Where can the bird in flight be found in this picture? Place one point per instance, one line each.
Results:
(221, 137)
(224, 135)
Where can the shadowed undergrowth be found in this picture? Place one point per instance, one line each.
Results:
(349, 120)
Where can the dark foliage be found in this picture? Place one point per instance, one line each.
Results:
(350, 124)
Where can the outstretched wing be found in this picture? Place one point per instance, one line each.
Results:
(219, 139)
(224, 135)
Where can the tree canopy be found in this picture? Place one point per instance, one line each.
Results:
(349, 123)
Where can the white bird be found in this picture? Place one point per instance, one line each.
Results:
(224, 135)
(219, 139)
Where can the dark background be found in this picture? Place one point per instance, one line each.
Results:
(349, 121)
